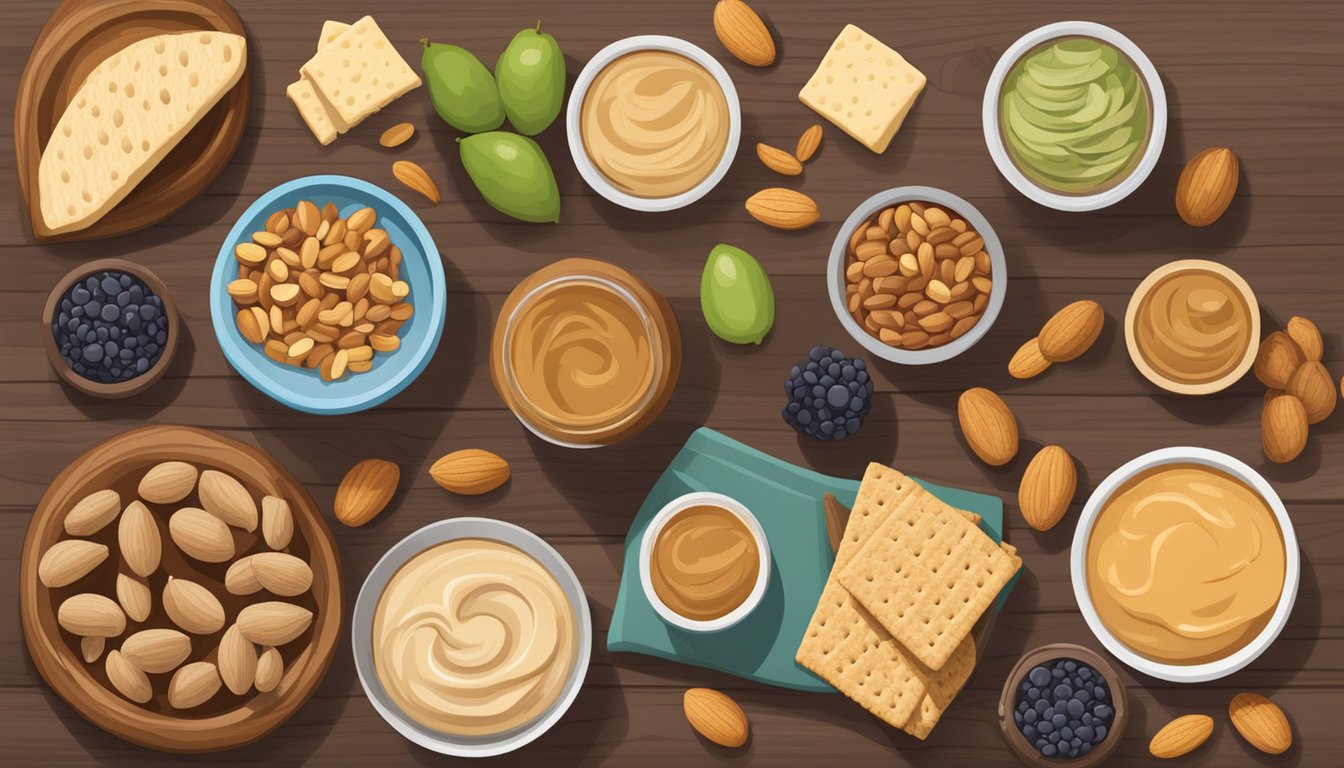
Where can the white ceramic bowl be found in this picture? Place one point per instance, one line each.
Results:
(835, 274)
(367, 603)
(1185, 673)
(655, 527)
(994, 135)
(574, 112)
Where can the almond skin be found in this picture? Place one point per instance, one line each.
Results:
(988, 425)
(1313, 385)
(277, 522)
(201, 535)
(1028, 362)
(783, 208)
(237, 661)
(470, 472)
(192, 607)
(1261, 722)
(134, 596)
(226, 498)
(193, 685)
(273, 623)
(139, 539)
(91, 615)
(156, 651)
(270, 668)
(808, 143)
(1207, 185)
(416, 179)
(397, 135)
(1307, 336)
(365, 491)
(127, 679)
(92, 513)
(281, 574)
(1071, 331)
(167, 482)
(778, 160)
(1277, 360)
(716, 717)
(1181, 736)
(69, 561)
(743, 33)
(1047, 488)
(1283, 429)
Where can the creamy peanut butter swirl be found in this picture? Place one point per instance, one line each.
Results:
(1193, 327)
(473, 637)
(705, 563)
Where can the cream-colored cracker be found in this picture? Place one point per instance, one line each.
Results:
(359, 73)
(864, 87)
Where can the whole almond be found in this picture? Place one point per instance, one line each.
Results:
(156, 651)
(1047, 487)
(167, 482)
(988, 426)
(127, 679)
(783, 208)
(397, 135)
(270, 668)
(241, 578)
(716, 717)
(1207, 186)
(277, 522)
(139, 540)
(134, 596)
(92, 513)
(226, 498)
(281, 574)
(470, 471)
(69, 561)
(808, 143)
(192, 607)
(193, 685)
(1071, 331)
(201, 535)
(743, 33)
(416, 179)
(778, 160)
(90, 648)
(1277, 360)
(1307, 336)
(1181, 736)
(273, 623)
(1283, 429)
(365, 491)
(91, 615)
(1028, 362)
(1261, 722)
(237, 661)
(1313, 385)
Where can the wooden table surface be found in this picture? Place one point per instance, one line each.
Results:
(1262, 78)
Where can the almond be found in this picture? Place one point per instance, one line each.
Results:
(241, 578)
(1261, 722)
(808, 143)
(91, 615)
(1277, 360)
(1283, 428)
(201, 535)
(237, 661)
(92, 513)
(397, 135)
(193, 685)
(783, 208)
(778, 160)
(1047, 488)
(69, 561)
(1313, 385)
(127, 679)
(1307, 336)
(91, 648)
(988, 426)
(716, 717)
(134, 596)
(277, 522)
(270, 668)
(365, 491)
(139, 540)
(470, 472)
(273, 623)
(156, 651)
(1181, 736)
(226, 498)
(743, 33)
(192, 607)
(281, 574)
(1207, 186)
(1071, 331)
(1028, 362)
(168, 482)
(416, 179)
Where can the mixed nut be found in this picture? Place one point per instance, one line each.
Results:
(1300, 390)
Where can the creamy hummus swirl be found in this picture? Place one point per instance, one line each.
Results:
(705, 563)
(1193, 327)
(1185, 564)
(473, 637)
(655, 123)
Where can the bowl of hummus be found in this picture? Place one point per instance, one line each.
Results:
(653, 122)
(704, 562)
(471, 637)
(1185, 564)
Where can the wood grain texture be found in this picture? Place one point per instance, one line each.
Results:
(1261, 78)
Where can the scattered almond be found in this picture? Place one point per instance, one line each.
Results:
(1028, 362)
(156, 651)
(277, 522)
(192, 607)
(1313, 385)
(237, 659)
(1047, 487)
(416, 179)
(167, 482)
(743, 33)
(193, 685)
(270, 668)
(988, 426)
(470, 471)
(783, 208)
(1283, 428)
(1181, 736)
(92, 513)
(1307, 336)
(281, 574)
(91, 615)
(139, 540)
(127, 679)
(226, 498)
(716, 717)
(1071, 331)
(778, 160)
(1277, 360)
(201, 535)
(1207, 185)
(134, 596)
(69, 561)
(397, 135)
(365, 491)
(1261, 722)
(273, 623)
(808, 143)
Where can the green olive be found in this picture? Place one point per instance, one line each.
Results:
(736, 297)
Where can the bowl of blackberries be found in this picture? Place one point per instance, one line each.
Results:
(110, 328)
(1063, 704)
(828, 394)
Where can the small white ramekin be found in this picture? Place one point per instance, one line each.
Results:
(994, 133)
(660, 521)
(574, 113)
(1185, 673)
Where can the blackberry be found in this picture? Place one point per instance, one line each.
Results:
(829, 394)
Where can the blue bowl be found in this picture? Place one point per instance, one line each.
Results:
(303, 389)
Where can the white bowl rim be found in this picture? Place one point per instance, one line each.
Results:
(655, 527)
(1185, 673)
(835, 268)
(989, 115)
(361, 630)
(574, 111)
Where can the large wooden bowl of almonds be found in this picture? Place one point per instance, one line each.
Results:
(180, 590)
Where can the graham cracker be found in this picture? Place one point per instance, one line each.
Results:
(943, 687)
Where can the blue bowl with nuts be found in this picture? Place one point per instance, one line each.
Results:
(1063, 704)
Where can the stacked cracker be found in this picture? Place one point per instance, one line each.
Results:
(355, 73)
(912, 575)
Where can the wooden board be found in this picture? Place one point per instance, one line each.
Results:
(80, 35)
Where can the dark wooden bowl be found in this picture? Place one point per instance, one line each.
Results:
(226, 721)
(1018, 743)
(118, 389)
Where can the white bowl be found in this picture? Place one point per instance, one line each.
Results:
(589, 171)
(655, 527)
(993, 131)
(835, 274)
(367, 603)
(1185, 673)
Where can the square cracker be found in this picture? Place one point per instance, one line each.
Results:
(359, 73)
(926, 573)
